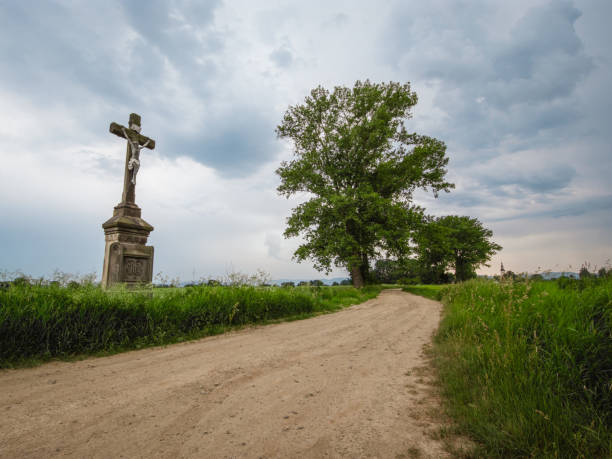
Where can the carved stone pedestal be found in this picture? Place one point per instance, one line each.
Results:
(127, 258)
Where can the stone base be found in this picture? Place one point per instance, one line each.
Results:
(127, 258)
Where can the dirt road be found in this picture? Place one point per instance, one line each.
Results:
(348, 384)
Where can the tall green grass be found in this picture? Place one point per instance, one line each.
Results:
(527, 367)
(42, 322)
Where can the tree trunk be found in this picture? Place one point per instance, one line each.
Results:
(356, 276)
(463, 271)
(365, 269)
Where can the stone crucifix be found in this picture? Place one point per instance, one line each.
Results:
(135, 142)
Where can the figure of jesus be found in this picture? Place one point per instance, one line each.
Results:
(136, 142)
(134, 162)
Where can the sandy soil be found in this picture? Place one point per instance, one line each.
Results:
(348, 384)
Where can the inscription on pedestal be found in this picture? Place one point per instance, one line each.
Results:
(134, 269)
(127, 263)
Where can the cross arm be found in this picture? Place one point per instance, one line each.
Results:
(117, 129)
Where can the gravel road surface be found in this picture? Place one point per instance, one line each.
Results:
(349, 384)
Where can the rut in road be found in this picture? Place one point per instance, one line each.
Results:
(345, 384)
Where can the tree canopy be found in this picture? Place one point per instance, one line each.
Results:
(460, 242)
(359, 167)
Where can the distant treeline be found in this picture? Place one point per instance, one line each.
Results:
(414, 271)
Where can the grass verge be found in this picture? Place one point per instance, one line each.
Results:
(526, 368)
(38, 323)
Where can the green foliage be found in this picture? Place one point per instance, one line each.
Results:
(453, 241)
(605, 272)
(433, 247)
(527, 367)
(51, 321)
(571, 283)
(585, 271)
(390, 271)
(433, 292)
(21, 281)
(355, 157)
(408, 280)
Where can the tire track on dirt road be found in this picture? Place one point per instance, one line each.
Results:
(345, 384)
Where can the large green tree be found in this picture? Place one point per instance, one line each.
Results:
(458, 242)
(359, 167)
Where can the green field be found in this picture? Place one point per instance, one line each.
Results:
(38, 323)
(526, 367)
(433, 292)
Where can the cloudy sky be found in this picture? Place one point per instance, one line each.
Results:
(520, 91)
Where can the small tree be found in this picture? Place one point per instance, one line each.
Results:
(433, 246)
(470, 243)
(458, 242)
(360, 167)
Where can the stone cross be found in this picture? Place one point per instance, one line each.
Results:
(135, 142)
(127, 258)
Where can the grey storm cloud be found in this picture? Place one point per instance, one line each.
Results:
(124, 54)
(236, 145)
(494, 87)
(564, 208)
(543, 59)
(48, 53)
(178, 31)
(551, 178)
